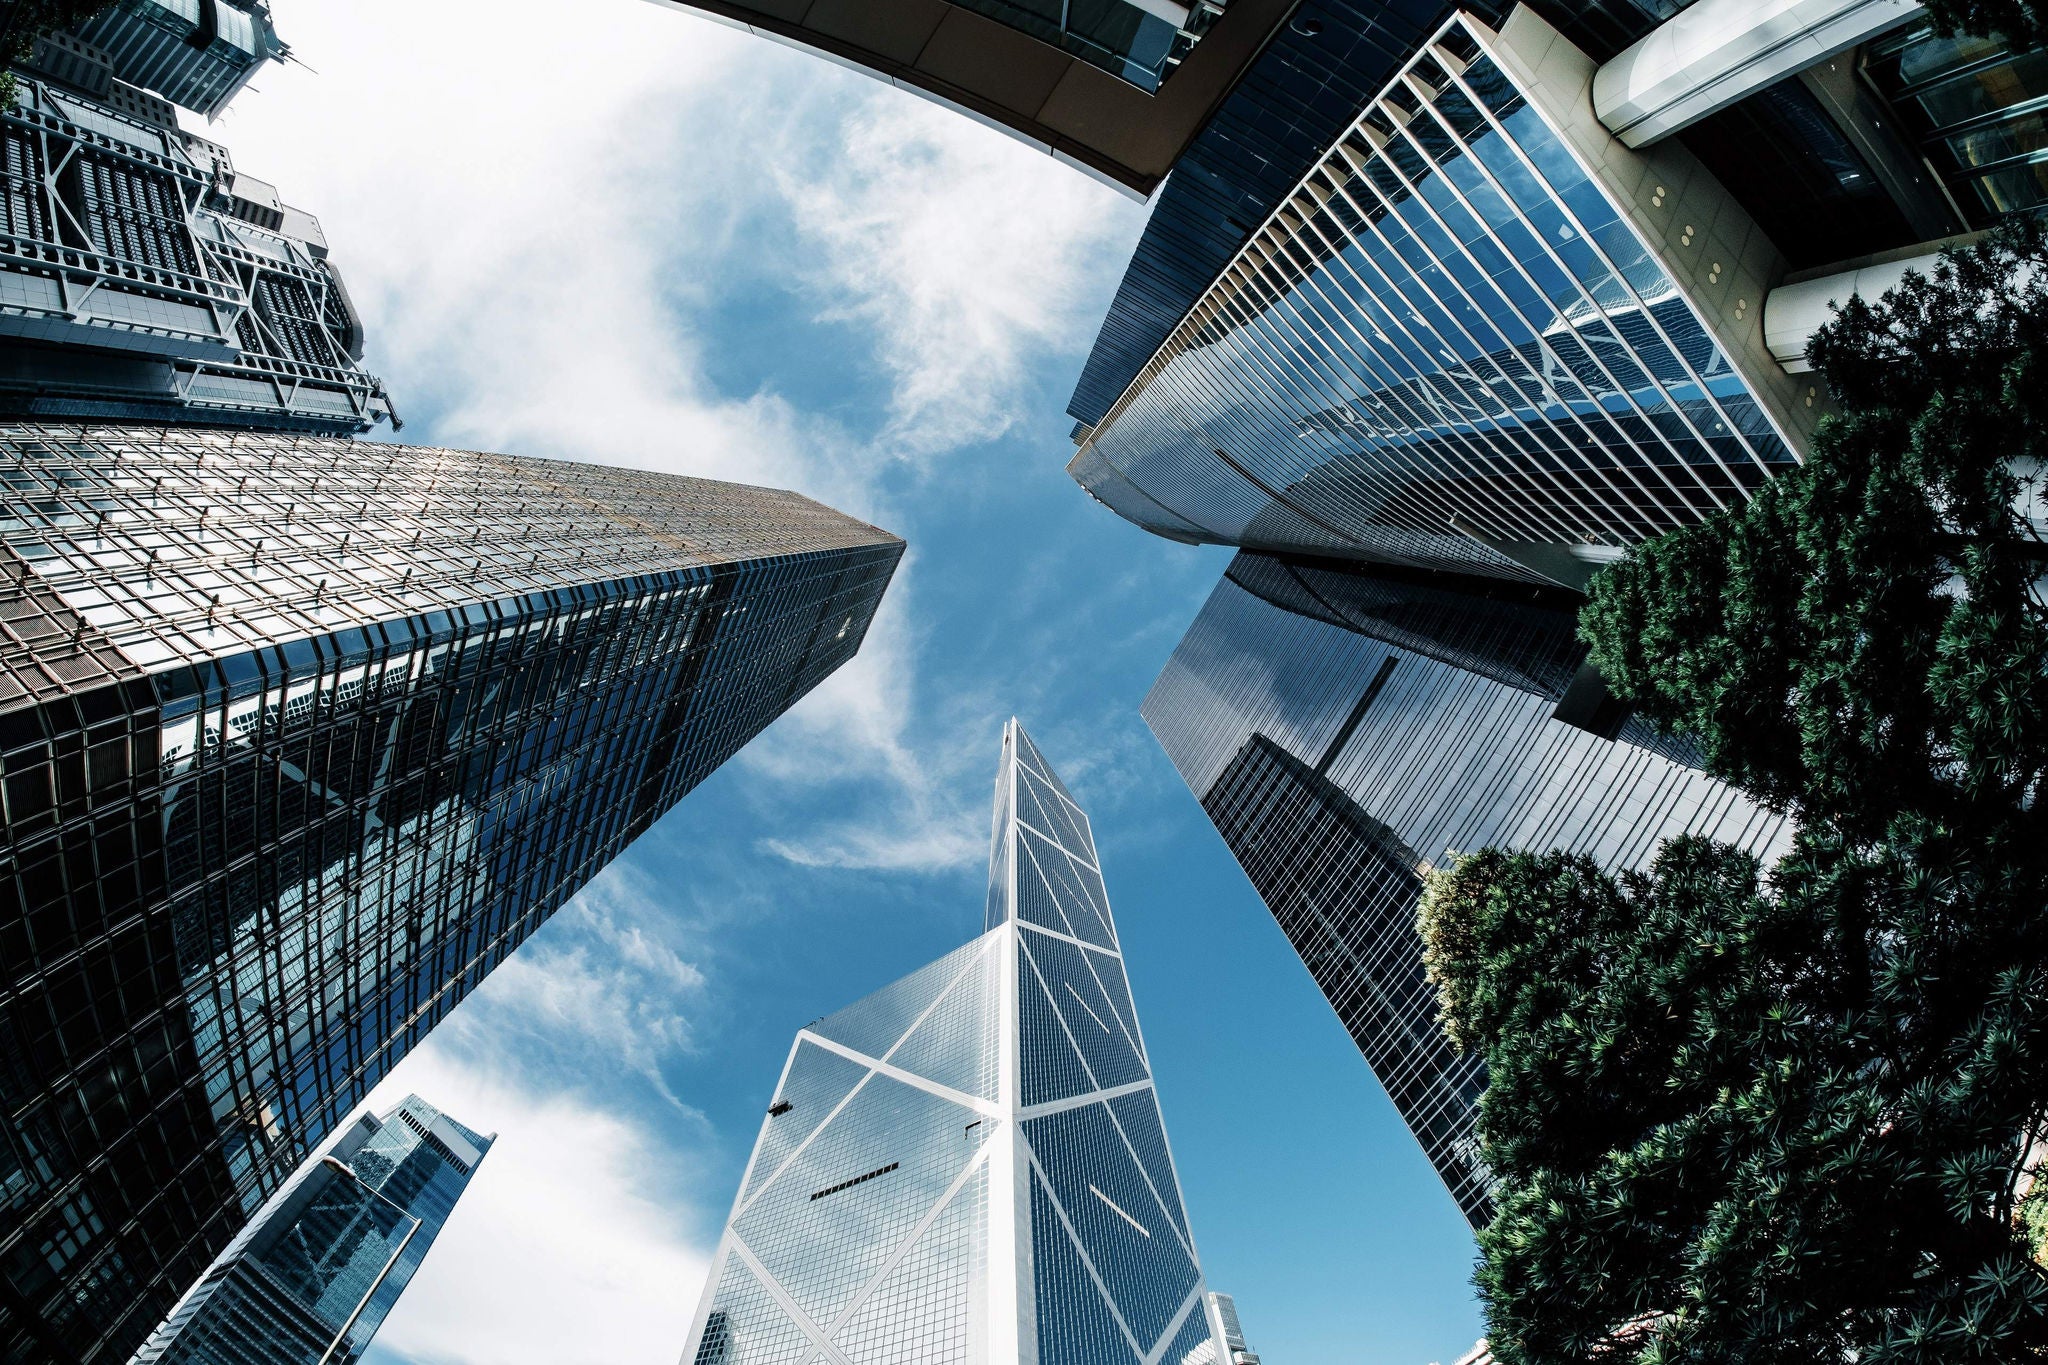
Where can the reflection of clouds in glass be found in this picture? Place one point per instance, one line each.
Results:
(1453, 325)
(1448, 756)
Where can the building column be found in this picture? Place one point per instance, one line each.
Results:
(1716, 52)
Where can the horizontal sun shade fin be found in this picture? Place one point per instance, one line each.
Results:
(849, 1184)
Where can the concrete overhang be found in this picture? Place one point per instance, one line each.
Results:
(1001, 76)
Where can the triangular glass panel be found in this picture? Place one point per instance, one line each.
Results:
(1029, 753)
(827, 1225)
(955, 1045)
(873, 1024)
(1030, 808)
(1036, 903)
(1194, 1344)
(1038, 807)
(1138, 1115)
(1075, 1326)
(818, 1079)
(748, 1327)
(1049, 1067)
(1058, 871)
(1091, 1020)
(1090, 882)
(923, 1310)
(1118, 1223)
(1109, 974)
(998, 905)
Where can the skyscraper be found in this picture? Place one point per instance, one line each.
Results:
(318, 1269)
(1533, 282)
(969, 1165)
(143, 277)
(1346, 728)
(299, 738)
(1223, 1322)
(1480, 335)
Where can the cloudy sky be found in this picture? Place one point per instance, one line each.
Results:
(613, 231)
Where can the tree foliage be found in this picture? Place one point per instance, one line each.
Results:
(1740, 1116)
(2023, 23)
(23, 21)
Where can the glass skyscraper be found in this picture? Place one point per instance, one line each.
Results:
(314, 1274)
(299, 738)
(969, 1165)
(1479, 335)
(1347, 728)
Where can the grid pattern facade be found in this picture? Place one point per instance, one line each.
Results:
(136, 284)
(322, 1264)
(1314, 75)
(299, 738)
(970, 1165)
(1348, 728)
(1451, 330)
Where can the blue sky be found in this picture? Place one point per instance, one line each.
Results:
(637, 237)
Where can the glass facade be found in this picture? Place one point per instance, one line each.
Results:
(1977, 110)
(1139, 43)
(314, 1274)
(142, 278)
(1311, 79)
(969, 1165)
(1347, 728)
(1451, 336)
(1306, 87)
(299, 738)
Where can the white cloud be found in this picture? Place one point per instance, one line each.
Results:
(604, 986)
(539, 218)
(581, 1236)
(965, 256)
(562, 1251)
(536, 218)
(859, 726)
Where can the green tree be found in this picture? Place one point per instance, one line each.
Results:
(23, 21)
(1786, 1117)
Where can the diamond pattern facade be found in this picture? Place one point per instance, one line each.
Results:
(970, 1165)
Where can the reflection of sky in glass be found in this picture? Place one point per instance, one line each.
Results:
(867, 1202)
(1448, 758)
(1450, 320)
(1339, 761)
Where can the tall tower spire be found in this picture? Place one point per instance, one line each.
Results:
(969, 1165)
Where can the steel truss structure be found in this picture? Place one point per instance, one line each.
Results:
(143, 278)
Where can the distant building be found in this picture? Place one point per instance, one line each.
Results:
(198, 54)
(316, 1271)
(144, 278)
(969, 1165)
(1223, 1322)
(300, 737)
(1347, 728)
